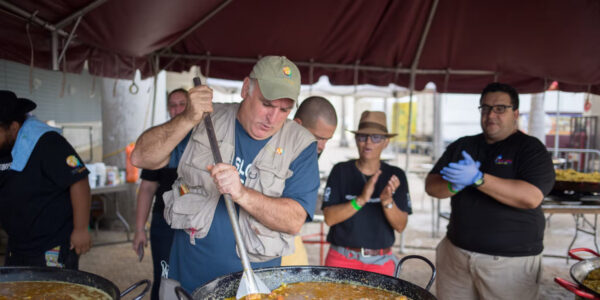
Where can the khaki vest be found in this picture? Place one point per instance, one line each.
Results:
(194, 210)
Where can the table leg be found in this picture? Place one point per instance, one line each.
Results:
(576, 218)
(596, 232)
(433, 212)
(121, 218)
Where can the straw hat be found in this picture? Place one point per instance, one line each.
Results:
(373, 122)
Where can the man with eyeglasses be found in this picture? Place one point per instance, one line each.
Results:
(365, 201)
(497, 181)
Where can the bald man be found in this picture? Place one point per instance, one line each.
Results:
(318, 116)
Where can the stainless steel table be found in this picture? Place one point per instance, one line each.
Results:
(110, 193)
(582, 224)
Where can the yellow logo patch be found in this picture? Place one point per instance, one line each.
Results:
(287, 72)
(72, 161)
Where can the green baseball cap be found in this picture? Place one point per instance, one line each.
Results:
(278, 77)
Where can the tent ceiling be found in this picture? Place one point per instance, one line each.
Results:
(469, 43)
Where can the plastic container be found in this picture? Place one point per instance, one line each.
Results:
(101, 174)
(132, 172)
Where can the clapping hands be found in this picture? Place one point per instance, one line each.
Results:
(463, 173)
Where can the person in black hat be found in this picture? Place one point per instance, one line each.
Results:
(45, 194)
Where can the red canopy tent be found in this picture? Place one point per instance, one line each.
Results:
(459, 45)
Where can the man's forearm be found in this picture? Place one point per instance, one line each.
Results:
(81, 202)
(512, 192)
(153, 148)
(144, 202)
(279, 214)
(437, 187)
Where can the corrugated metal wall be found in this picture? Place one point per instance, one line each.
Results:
(78, 104)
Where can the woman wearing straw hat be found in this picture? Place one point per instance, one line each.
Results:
(365, 200)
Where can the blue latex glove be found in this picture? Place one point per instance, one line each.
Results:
(458, 187)
(462, 173)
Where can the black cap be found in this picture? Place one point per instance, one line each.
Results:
(12, 108)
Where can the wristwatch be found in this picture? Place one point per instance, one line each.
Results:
(479, 181)
(389, 205)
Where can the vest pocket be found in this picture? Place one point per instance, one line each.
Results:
(272, 181)
(262, 243)
(189, 204)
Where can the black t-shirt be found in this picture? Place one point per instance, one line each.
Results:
(368, 228)
(165, 178)
(481, 224)
(35, 204)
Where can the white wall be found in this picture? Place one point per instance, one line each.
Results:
(79, 106)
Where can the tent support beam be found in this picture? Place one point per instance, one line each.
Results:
(54, 46)
(17, 10)
(333, 66)
(69, 39)
(46, 25)
(78, 14)
(413, 78)
(196, 26)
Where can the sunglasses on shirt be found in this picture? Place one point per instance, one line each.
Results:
(375, 138)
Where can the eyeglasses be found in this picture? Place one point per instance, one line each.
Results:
(375, 138)
(497, 109)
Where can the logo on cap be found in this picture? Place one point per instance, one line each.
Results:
(287, 72)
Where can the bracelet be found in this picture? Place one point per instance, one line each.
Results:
(453, 191)
(354, 204)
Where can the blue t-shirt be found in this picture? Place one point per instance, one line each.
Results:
(215, 254)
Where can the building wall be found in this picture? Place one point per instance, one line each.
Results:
(74, 105)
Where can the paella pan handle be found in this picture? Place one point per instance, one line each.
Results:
(182, 294)
(573, 251)
(134, 286)
(433, 272)
(573, 288)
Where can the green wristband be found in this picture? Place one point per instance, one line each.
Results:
(355, 205)
(451, 189)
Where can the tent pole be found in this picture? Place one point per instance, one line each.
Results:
(156, 71)
(64, 49)
(413, 75)
(343, 140)
(556, 123)
(32, 17)
(54, 41)
(334, 66)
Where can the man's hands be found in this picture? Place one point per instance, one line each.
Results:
(463, 173)
(81, 241)
(200, 102)
(227, 180)
(139, 239)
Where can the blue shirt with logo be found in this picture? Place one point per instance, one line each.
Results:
(215, 255)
